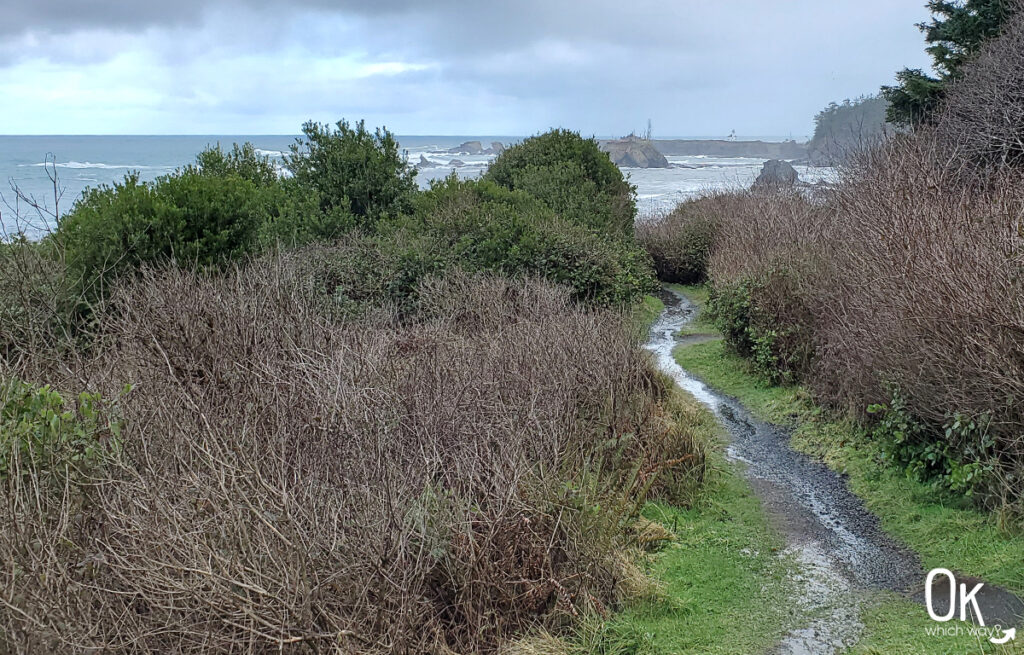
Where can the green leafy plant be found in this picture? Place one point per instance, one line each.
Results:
(241, 161)
(956, 456)
(194, 218)
(41, 434)
(353, 169)
(573, 177)
(765, 320)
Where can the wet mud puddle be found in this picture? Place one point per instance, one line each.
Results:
(841, 551)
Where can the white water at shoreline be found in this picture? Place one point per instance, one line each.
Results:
(83, 162)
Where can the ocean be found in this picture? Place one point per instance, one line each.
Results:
(89, 161)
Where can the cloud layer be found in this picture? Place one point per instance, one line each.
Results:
(444, 67)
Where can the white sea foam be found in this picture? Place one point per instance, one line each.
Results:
(269, 153)
(89, 164)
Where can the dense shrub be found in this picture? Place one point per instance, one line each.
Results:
(960, 458)
(930, 302)
(766, 319)
(572, 176)
(771, 260)
(241, 161)
(352, 169)
(487, 227)
(680, 243)
(228, 206)
(980, 125)
(36, 303)
(295, 217)
(902, 293)
(473, 226)
(196, 219)
(291, 480)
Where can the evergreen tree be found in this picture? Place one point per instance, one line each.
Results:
(957, 29)
(840, 128)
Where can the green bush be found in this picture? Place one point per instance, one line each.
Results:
(490, 228)
(957, 456)
(295, 217)
(41, 438)
(573, 177)
(680, 243)
(352, 169)
(241, 161)
(474, 225)
(194, 218)
(766, 320)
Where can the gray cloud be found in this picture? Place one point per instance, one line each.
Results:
(603, 66)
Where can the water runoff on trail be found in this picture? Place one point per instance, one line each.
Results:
(841, 551)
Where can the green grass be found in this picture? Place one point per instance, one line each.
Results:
(697, 294)
(731, 374)
(895, 625)
(646, 312)
(723, 574)
(944, 530)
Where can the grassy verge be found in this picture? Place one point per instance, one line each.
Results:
(698, 295)
(646, 312)
(896, 625)
(945, 531)
(722, 573)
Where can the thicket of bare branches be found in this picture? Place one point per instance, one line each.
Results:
(980, 127)
(908, 278)
(286, 480)
(929, 298)
(680, 243)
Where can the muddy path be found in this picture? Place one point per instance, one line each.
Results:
(841, 550)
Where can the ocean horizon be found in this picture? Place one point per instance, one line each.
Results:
(85, 161)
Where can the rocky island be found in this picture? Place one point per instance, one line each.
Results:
(634, 152)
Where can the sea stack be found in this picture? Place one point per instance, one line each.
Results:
(634, 152)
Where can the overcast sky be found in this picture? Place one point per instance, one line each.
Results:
(503, 67)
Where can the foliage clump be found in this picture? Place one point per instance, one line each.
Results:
(353, 169)
(680, 243)
(957, 31)
(572, 176)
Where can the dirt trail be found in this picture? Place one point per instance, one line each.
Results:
(839, 545)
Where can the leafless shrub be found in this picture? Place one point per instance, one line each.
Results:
(981, 124)
(908, 278)
(292, 481)
(929, 296)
